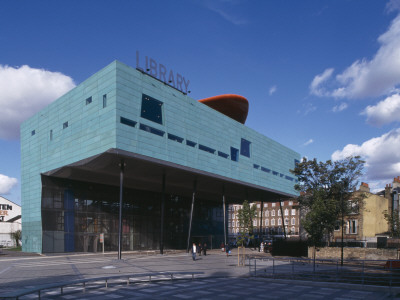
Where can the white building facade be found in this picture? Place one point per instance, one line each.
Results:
(10, 221)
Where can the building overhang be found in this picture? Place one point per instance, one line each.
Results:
(146, 173)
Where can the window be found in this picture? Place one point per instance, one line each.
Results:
(290, 203)
(222, 154)
(265, 170)
(254, 222)
(273, 213)
(286, 221)
(267, 213)
(151, 109)
(279, 212)
(234, 154)
(279, 222)
(51, 135)
(337, 225)
(286, 212)
(275, 173)
(190, 143)
(128, 122)
(233, 216)
(266, 222)
(33, 132)
(65, 125)
(293, 221)
(151, 130)
(273, 204)
(265, 204)
(245, 147)
(88, 100)
(256, 166)
(352, 226)
(293, 212)
(273, 222)
(175, 138)
(104, 100)
(207, 149)
(258, 205)
(292, 230)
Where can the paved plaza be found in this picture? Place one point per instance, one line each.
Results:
(220, 277)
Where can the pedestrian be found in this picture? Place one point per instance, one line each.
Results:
(194, 251)
(199, 249)
(222, 247)
(227, 250)
(205, 249)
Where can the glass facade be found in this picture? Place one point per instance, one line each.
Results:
(75, 213)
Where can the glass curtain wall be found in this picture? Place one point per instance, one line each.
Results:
(74, 214)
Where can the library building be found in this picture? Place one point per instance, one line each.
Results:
(128, 161)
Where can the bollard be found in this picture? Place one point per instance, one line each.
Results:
(127, 281)
(106, 284)
(84, 287)
(62, 290)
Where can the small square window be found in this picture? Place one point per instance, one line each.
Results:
(33, 132)
(88, 100)
(65, 125)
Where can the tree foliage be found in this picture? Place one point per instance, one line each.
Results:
(246, 215)
(16, 236)
(393, 221)
(326, 189)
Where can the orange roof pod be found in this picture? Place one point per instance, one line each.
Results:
(233, 106)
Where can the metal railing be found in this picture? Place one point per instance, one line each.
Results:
(365, 272)
(83, 284)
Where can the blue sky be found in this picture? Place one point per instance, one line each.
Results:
(322, 77)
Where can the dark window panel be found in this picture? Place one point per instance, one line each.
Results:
(151, 109)
(151, 130)
(245, 147)
(175, 138)
(222, 154)
(190, 143)
(128, 122)
(234, 154)
(207, 149)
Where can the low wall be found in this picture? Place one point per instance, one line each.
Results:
(354, 253)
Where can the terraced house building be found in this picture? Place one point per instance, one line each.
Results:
(130, 135)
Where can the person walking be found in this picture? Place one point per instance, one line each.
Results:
(205, 249)
(194, 251)
(227, 250)
(199, 249)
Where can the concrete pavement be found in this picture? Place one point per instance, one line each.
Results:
(221, 276)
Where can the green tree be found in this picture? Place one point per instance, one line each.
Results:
(326, 193)
(393, 221)
(246, 215)
(16, 236)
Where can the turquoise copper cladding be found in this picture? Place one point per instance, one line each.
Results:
(106, 111)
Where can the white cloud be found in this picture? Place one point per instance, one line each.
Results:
(315, 86)
(340, 107)
(272, 90)
(310, 141)
(222, 7)
(366, 78)
(385, 112)
(25, 91)
(381, 154)
(6, 184)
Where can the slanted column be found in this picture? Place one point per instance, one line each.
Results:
(224, 209)
(162, 216)
(191, 214)
(121, 186)
(283, 220)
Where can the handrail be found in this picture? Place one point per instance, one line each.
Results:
(106, 279)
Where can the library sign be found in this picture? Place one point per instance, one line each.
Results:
(4, 210)
(150, 66)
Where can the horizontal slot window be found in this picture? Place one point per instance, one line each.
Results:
(281, 174)
(275, 173)
(207, 149)
(256, 166)
(289, 178)
(151, 130)
(128, 122)
(222, 154)
(265, 170)
(190, 143)
(175, 138)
